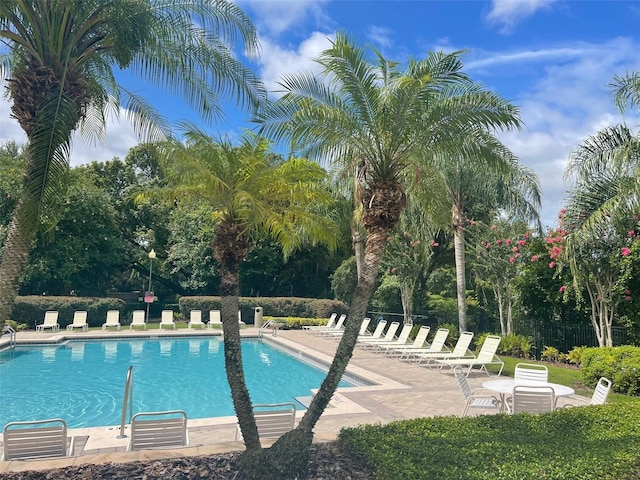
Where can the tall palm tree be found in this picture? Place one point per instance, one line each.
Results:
(489, 181)
(60, 58)
(251, 194)
(371, 114)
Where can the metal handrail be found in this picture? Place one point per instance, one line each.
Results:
(12, 335)
(266, 325)
(128, 398)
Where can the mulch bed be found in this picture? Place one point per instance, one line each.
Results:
(326, 462)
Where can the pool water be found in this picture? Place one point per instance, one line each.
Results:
(83, 381)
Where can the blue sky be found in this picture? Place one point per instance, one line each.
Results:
(552, 58)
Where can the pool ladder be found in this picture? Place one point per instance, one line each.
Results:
(12, 335)
(268, 324)
(128, 399)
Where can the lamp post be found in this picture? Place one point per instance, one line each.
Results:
(149, 294)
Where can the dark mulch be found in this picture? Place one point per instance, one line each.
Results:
(326, 462)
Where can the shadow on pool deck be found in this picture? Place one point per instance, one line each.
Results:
(401, 391)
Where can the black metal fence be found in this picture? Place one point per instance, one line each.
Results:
(562, 337)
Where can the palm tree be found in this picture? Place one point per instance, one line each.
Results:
(251, 194)
(59, 61)
(487, 182)
(385, 121)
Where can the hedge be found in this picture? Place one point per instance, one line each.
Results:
(621, 365)
(583, 443)
(31, 309)
(271, 306)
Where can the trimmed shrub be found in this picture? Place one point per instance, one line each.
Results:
(31, 309)
(272, 306)
(512, 345)
(604, 445)
(621, 365)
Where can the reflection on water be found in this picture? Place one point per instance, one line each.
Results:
(194, 348)
(49, 354)
(77, 351)
(165, 347)
(214, 346)
(110, 351)
(136, 348)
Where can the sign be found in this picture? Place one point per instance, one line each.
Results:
(148, 297)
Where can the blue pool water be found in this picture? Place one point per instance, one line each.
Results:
(83, 381)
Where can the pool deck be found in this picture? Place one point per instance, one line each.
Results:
(402, 391)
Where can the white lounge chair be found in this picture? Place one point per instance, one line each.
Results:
(599, 397)
(377, 333)
(369, 343)
(137, 320)
(330, 323)
(166, 320)
(363, 330)
(50, 321)
(241, 324)
(329, 331)
(532, 399)
(418, 343)
(400, 340)
(475, 398)
(158, 430)
(273, 420)
(79, 321)
(460, 350)
(113, 320)
(438, 345)
(214, 319)
(37, 439)
(486, 356)
(531, 372)
(195, 319)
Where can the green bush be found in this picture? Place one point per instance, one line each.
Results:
(604, 445)
(31, 309)
(575, 355)
(513, 345)
(272, 306)
(621, 365)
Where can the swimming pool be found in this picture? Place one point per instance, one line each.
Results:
(83, 381)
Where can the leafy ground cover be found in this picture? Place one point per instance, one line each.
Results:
(585, 443)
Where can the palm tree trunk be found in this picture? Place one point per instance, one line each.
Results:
(15, 256)
(229, 293)
(458, 246)
(289, 455)
(357, 239)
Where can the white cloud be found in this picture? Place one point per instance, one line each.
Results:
(277, 61)
(278, 16)
(508, 13)
(380, 37)
(568, 102)
(117, 142)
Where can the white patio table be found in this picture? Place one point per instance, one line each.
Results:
(505, 387)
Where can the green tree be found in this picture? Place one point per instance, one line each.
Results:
(251, 194)
(478, 186)
(371, 117)
(59, 63)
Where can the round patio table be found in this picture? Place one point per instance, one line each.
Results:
(505, 387)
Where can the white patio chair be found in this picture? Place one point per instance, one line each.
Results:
(137, 320)
(166, 320)
(475, 399)
(599, 397)
(113, 320)
(79, 321)
(37, 439)
(532, 399)
(531, 372)
(195, 319)
(214, 319)
(159, 430)
(50, 321)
